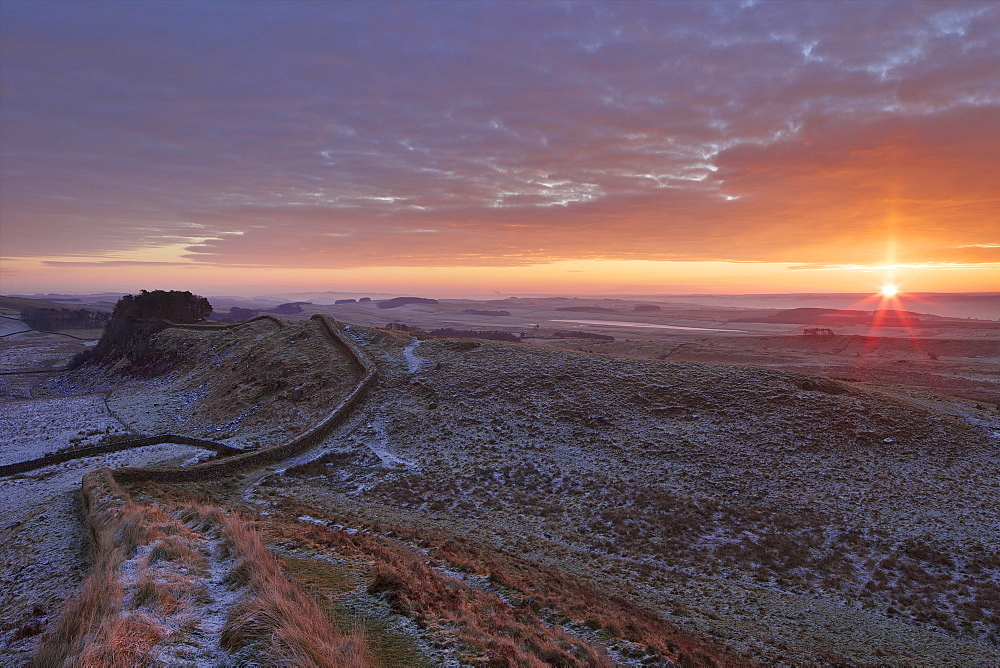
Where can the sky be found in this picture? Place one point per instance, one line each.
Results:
(483, 148)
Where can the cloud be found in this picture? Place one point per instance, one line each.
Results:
(113, 263)
(987, 254)
(295, 134)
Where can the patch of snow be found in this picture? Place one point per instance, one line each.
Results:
(413, 362)
(32, 428)
(379, 446)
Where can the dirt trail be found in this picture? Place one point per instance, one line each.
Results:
(413, 362)
(190, 602)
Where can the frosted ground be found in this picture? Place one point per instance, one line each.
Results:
(795, 518)
(773, 510)
(44, 541)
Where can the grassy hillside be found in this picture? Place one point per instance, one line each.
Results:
(508, 504)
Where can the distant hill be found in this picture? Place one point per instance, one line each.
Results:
(48, 316)
(238, 313)
(884, 318)
(20, 303)
(403, 301)
(288, 309)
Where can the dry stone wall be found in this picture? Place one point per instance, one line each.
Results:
(105, 448)
(288, 448)
(229, 459)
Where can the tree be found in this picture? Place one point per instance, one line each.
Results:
(137, 318)
(172, 305)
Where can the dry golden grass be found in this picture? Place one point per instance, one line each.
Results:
(525, 631)
(275, 617)
(109, 624)
(92, 629)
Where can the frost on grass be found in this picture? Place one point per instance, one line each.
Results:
(32, 428)
(777, 488)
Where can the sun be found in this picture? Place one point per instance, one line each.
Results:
(889, 290)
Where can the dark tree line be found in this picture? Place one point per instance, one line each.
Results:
(172, 305)
(48, 318)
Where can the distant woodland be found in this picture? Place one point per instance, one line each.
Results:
(53, 318)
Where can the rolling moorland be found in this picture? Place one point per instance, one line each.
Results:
(726, 493)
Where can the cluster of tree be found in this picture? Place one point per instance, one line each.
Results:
(472, 334)
(48, 318)
(290, 308)
(239, 314)
(171, 305)
(646, 308)
(137, 318)
(402, 327)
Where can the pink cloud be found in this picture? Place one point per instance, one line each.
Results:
(307, 136)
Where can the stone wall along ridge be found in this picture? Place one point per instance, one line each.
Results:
(288, 448)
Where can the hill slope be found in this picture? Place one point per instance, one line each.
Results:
(777, 511)
(508, 503)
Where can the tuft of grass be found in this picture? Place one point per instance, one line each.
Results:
(175, 549)
(274, 617)
(519, 634)
(129, 642)
(102, 625)
(86, 618)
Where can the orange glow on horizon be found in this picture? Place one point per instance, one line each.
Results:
(130, 272)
